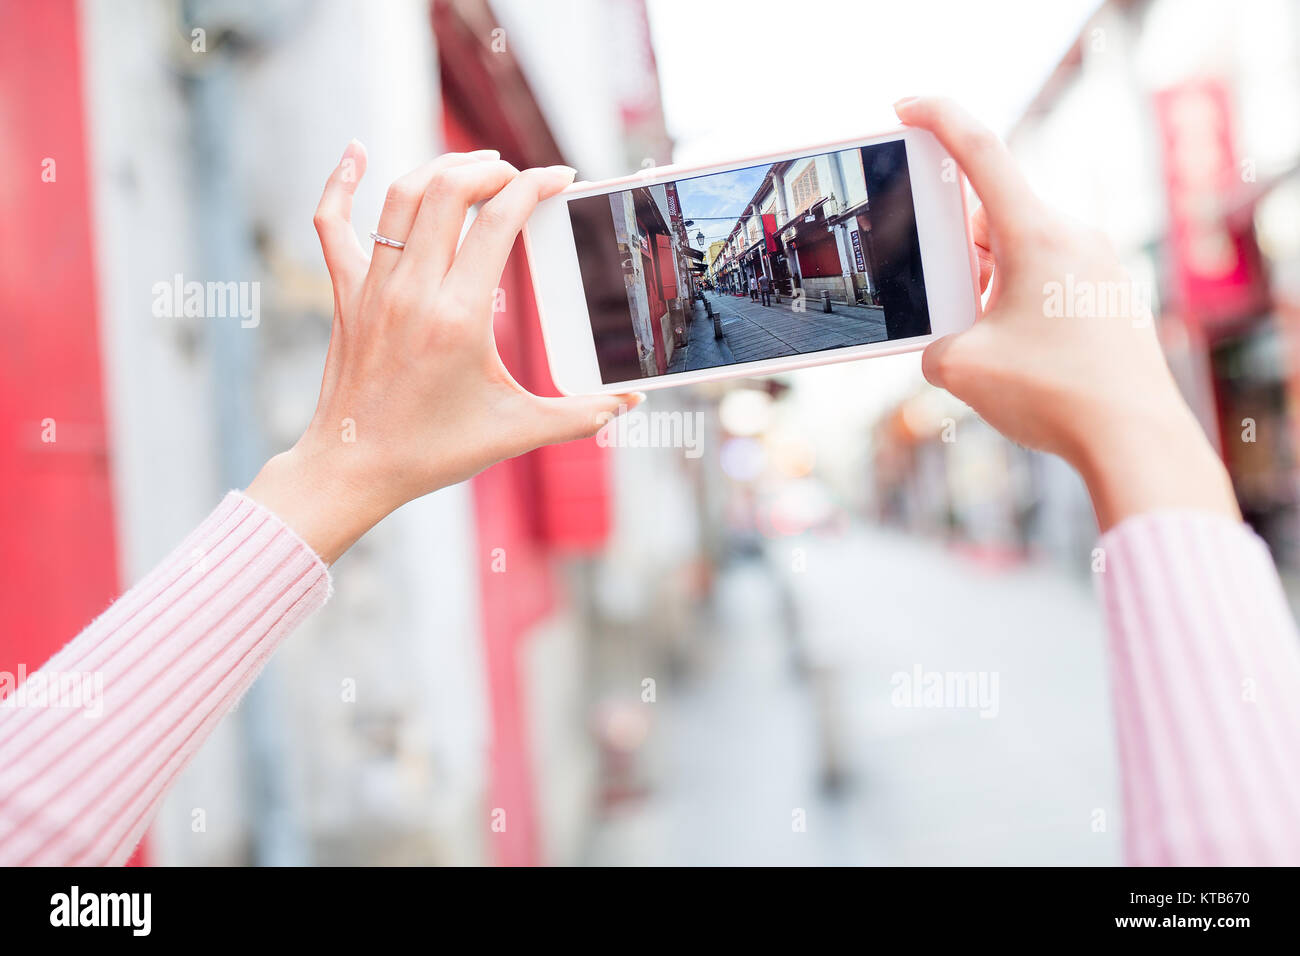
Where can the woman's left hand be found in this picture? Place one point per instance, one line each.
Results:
(415, 396)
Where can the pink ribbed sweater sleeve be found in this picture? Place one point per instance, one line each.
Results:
(1205, 668)
(172, 656)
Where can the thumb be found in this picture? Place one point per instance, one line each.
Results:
(938, 360)
(581, 416)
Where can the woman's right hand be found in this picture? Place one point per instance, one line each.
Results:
(1088, 384)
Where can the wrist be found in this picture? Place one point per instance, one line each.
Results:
(317, 496)
(1156, 458)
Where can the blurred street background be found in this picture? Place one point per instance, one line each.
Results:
(706, 650)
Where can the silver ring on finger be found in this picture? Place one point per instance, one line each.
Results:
(385, 241)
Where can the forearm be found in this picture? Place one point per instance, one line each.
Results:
(1139, 460)
(1205, 668)
(167, 661)
(329, 506)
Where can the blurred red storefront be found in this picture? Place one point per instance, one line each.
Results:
(554, 501)
(57, 504)
(58, 510)
(1218, 292)
(1216, 278)
(56, 513)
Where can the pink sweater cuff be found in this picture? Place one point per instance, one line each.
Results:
(163, 664)
(1205, 663)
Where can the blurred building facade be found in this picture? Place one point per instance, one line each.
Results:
(1173, 126)
(804, 228)
(659, 280)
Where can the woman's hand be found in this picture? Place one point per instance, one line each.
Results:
(1048, 370)
(414, 395)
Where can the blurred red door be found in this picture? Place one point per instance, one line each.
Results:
(552, 501)
(532, 508)
(56, 502)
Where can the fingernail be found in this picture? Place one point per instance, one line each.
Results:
(904, 103)
(568, 171)
(635, 399)
(486, 154)
(351, 148)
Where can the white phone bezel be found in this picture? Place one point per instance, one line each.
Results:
(948, 262)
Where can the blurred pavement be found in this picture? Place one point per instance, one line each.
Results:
(734, 756)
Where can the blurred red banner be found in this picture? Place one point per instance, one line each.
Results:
(1215, 273)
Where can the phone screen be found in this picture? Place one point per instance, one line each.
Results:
(802, 255)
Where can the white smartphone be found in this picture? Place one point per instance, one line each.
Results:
(683, 274)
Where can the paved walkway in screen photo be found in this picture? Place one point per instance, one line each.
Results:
(754, 331)
(701, 350)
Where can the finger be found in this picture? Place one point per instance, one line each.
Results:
(961, 362)
(987, 162)
(979, 233)
(979, 227)
(582, 416)
(986, 267)
(979, 230)
(482, 257)
(403, 202)
(344, 255)
(431, 246)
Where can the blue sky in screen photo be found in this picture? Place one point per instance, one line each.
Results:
(716, 202)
